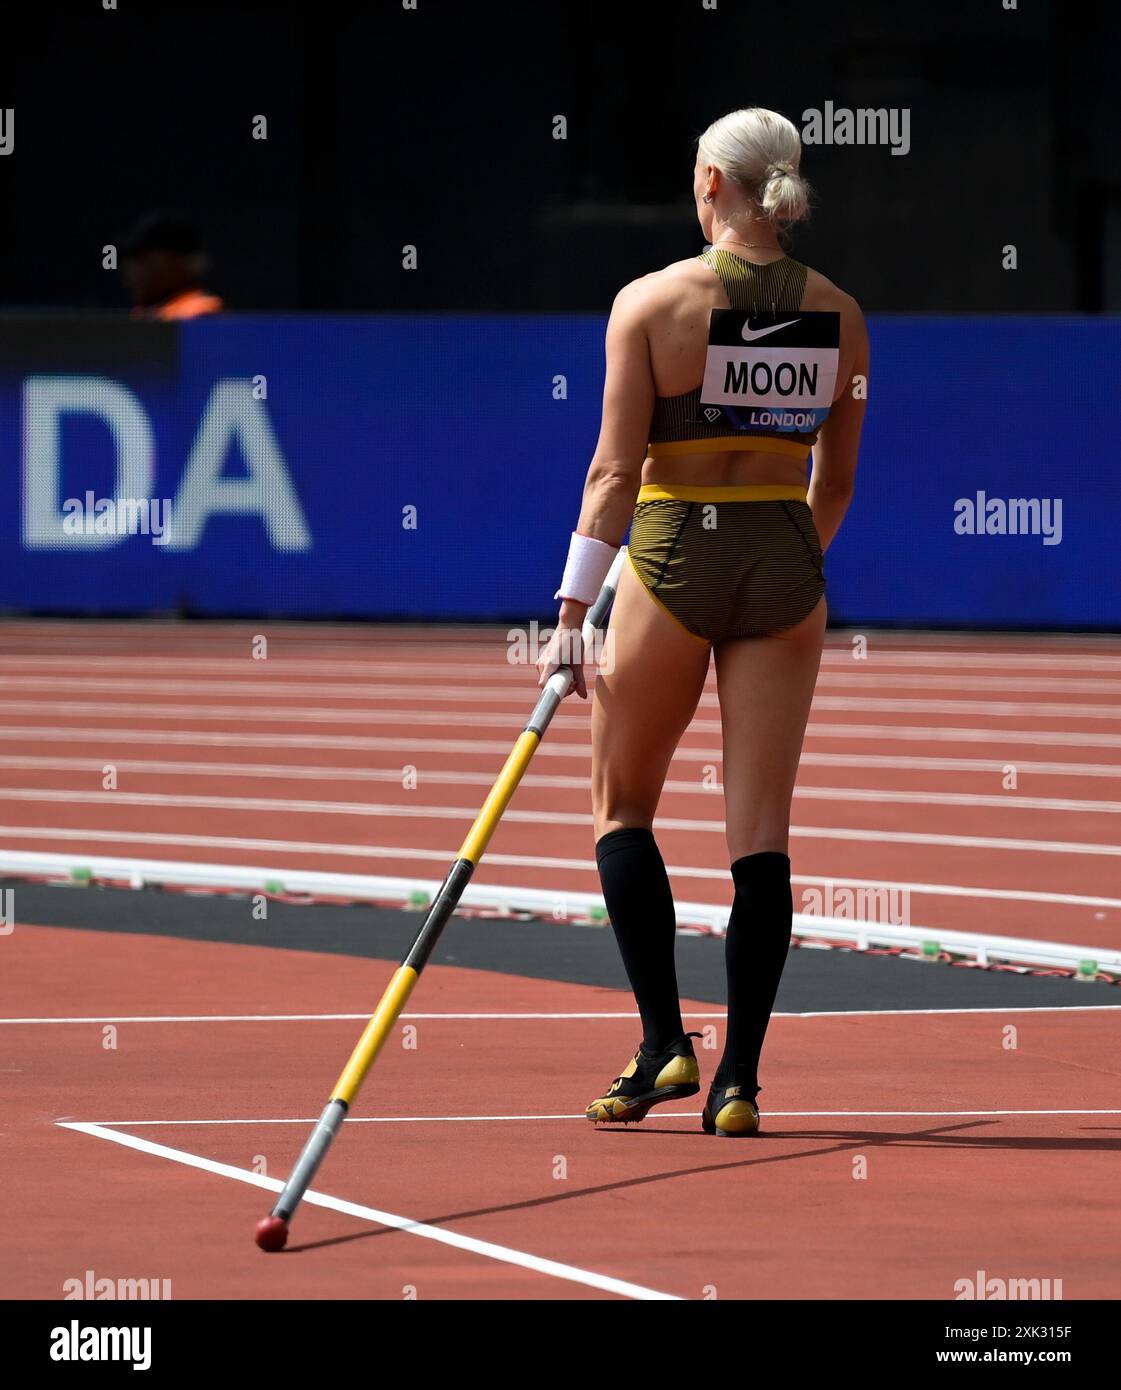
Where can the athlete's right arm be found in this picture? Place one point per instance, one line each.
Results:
(835, 453)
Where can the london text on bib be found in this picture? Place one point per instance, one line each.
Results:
(770, 373)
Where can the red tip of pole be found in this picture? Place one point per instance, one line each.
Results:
(272, 1233)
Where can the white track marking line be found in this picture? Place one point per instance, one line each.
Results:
(999, 669)
(266, 683)
(446, 777)
(501, 1253)
(833, 656)
(558, 1017)
(337, 772)
(521, 861)
(997, 709)
(991, 766)
(91, 1125)
(948, 733)
(1006, 801)
(842, 656)
(466, 815)
(382, 643)
(553, 746)
(237, 675)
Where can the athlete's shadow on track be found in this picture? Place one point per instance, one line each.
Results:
(938, 1137)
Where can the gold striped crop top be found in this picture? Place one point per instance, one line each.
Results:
(677, 425)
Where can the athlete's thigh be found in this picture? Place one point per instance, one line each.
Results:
(641, 706)
(766, 685)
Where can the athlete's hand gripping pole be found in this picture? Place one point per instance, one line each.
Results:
(272, 1230)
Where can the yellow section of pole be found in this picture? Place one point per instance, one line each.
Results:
(478, 837)
(375, 1033)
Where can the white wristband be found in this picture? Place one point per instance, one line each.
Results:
(588, 563)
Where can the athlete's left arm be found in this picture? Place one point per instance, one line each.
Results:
(834, 455)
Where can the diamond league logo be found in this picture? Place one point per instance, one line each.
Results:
(711, 413)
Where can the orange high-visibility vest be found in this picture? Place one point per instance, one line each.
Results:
(191, 304)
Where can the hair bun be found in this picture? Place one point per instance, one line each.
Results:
(760, 151)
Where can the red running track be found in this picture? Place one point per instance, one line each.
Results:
(996, 1157)
(871, 1180)
(982, 774)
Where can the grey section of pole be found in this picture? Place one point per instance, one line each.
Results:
(313, 1154)
(598, 610)
(558, 687)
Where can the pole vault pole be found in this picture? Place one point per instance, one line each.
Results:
(272, 1230)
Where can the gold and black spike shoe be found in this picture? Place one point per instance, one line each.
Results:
(648, 1080)
(730, 1111)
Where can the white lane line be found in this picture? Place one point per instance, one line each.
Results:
(948, 733)
(876, 678)
(502, 1253)
(448, 777)
(265, 686)
(264, 682)
(553, 746)
(466, 815)
(995, 767)
(557, 1017)
(82, 835)
(880, 659)
(1015, 801)
(89, 1126)
(996, 709)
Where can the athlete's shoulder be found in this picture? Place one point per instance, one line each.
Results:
(822, 294)
(659, 286)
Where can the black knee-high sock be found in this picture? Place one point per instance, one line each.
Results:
(637, 894)
(759, 931)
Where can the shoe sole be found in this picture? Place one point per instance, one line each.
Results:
(621, 1110)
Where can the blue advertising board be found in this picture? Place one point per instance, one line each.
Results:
(430, 467)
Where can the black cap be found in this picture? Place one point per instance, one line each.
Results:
(163, 231)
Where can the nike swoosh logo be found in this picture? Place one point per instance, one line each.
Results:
(750, 334)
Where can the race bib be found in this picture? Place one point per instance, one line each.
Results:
(770, 373)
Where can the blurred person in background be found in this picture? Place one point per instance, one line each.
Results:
(164, 267)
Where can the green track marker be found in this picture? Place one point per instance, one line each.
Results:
(80, 874)
(1087, 970)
